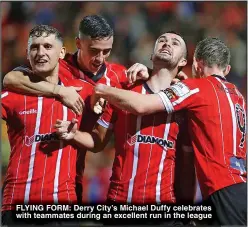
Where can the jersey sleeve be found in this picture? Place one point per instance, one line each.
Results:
(182, 95)
(24, 69)
(108, 118)
(6, 102)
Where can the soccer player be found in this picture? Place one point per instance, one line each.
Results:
(217, 121)
(41, 168)
(144, 164)
(94, 43)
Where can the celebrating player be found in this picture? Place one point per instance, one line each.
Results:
(143, 169)
(217, 121)
(41, 169)
(94, 43)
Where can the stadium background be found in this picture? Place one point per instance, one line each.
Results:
(136, 25)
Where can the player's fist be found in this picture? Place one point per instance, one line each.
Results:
(66, 130)
(137, 72)
(99, 106)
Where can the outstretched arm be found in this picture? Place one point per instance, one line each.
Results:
(133, 102)
(21, 82)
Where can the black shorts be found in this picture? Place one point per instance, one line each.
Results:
(9, 219)
(230, 205)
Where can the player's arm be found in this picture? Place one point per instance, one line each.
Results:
(26, 83)
(128, 100)
(176, 97)
(94, 141)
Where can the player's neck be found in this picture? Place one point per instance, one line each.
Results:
(52, 76)
(212, 71)
(160, 79)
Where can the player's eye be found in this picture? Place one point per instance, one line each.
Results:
(33, 47)
(106, 51)
(47, 46)
(175, 43)
(94, 51)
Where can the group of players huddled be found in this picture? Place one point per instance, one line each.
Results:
(62, 105)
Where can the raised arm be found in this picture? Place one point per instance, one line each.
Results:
(133, 102)
(21, 82)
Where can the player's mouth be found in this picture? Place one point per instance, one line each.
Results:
(96, 65)
(166, 51)
(40, 62)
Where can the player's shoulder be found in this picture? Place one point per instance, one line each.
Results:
(80, 83)
(115, 67)
(9, 95)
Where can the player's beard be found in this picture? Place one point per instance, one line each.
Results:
(167, 60)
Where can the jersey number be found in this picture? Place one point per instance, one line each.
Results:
(241, 121)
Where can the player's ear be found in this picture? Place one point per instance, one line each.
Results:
(182, 62)
(227, 69)
(78, 44)
(151, 56)
(27, 54)
(62, 53)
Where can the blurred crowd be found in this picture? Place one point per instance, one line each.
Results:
(136, 26)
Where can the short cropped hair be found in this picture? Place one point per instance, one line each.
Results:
(40, 30)
(213, 51)
(96, 27)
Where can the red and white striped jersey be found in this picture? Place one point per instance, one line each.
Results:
(144, 164)
(41, 168)
(110, 74)
(217, 122)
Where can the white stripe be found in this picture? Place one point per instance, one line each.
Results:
(107, 79)
(17, 170)
(161, 164)
(167, 103)
(105, 124)
(234, 122)
(57, 170)
(148, 166)
(135, 157)
(221, 127)
(196, 90)
(33, 152)
(4, 94)
(44, 171)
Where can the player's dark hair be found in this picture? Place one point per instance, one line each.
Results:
(96, 27)
(40, 30)
(213, 51)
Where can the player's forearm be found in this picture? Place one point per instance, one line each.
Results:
(133, 102)
(18, 82)
(91, 141)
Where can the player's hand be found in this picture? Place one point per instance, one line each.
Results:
(70, 98)
(137, 72)
(66, 130)
(99, 106)
(180, 76)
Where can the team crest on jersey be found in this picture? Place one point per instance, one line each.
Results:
(241, 122)
(170, 93)
(148, 139)
(180, 89)
(41, 138)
